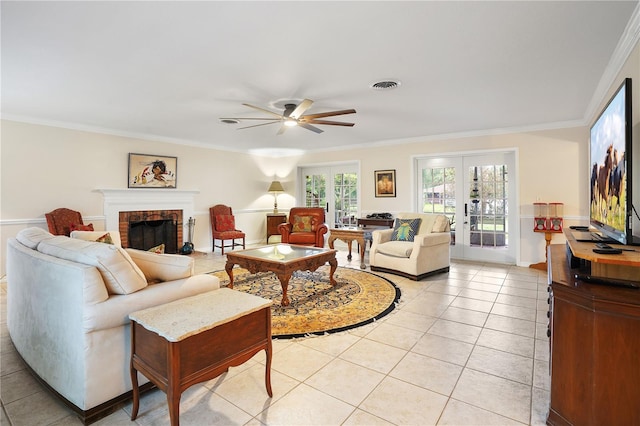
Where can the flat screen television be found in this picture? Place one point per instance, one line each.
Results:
(611, 169)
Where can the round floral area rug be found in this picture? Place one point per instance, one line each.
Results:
(316, 306)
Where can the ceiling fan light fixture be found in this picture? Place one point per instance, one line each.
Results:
(386, 84)
(290, 122)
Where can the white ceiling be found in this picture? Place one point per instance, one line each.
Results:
(170, 70)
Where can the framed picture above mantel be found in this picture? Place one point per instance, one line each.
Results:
(385, 183)
(152, 171)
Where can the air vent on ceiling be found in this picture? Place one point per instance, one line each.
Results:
(385, 85)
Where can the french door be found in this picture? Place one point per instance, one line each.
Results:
(475, 192)
(335, 188)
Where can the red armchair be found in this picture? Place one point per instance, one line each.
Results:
(305, 227)
(223, 227)
(62, 221)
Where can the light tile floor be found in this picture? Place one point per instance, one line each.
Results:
(464, 348)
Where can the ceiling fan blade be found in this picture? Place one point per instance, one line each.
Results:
(328, 114)
(331, 123)
(256, 125)
(249, 118)
(281, 129)
(300, 109)
(310, 127)
(263, 110)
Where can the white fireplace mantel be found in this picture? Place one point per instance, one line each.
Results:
(122, 200)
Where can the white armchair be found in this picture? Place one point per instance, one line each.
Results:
(427, 254)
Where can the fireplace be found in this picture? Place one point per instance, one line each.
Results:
(151, 204)
(144, 229)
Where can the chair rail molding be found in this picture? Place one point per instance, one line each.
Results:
(120, 200)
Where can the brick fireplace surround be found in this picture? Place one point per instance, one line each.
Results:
(125, 218)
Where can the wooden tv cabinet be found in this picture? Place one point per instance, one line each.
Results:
(595, 344)
(625, 265)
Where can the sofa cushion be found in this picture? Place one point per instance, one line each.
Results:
(162, 267)
(120, 274)
(396, 248)
(303, 238)
(405, 229)
(115, 311)
(225, 222)
(31, 237)
(81, 227)
(302, 223)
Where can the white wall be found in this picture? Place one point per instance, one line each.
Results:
(43, 168)
(551, 164)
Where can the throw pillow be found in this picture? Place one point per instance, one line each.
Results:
(302, 223)
(159, 249)
(440, 224)
(405, 229)
(225, 222)
(106, 238)
(80, 227)
(92, 236)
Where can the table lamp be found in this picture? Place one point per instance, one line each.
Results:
(275, 188)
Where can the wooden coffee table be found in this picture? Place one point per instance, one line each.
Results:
(283, 260)
(349, 235)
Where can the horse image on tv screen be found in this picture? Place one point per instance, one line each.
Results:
(608, 172)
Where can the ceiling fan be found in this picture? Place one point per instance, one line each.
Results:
(293, 116)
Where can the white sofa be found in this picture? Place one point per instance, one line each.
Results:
(68, 302)
(427, 254)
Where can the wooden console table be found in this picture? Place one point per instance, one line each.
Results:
(349, 235)
(273, 220)
(364, 221)
(595, 343)
(195, 339)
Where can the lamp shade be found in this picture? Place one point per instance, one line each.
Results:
(276, 186)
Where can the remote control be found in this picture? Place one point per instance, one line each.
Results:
(603, 246)
(609, 250)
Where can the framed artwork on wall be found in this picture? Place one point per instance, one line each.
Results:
(152, 171)
(385, 183)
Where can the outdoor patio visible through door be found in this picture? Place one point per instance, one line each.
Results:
(475, 192)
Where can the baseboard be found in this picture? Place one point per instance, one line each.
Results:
(96, 413)
(410, 276)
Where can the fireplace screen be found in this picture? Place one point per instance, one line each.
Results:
(146, 234)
